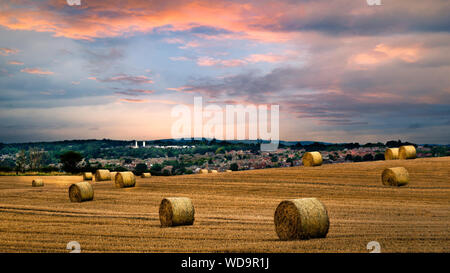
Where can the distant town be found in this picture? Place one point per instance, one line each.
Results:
(171, 157)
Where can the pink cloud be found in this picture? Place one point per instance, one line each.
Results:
(253, 58)
(208, 61)
(179, 89)
(174, 41)
(134, 100)
(268, 58)
(244, 20)
(8, 51)
(178, 58)
(170, 102)
(190, 44)
(15, 63)
(383, 53)
(36, 71)
(142, 91)
(267, 21)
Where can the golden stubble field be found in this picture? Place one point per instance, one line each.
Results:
(234, 211)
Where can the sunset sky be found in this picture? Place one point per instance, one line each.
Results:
(341, 71)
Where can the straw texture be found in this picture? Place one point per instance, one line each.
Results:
(301, 219)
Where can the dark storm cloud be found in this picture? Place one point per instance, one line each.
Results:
(353, 17)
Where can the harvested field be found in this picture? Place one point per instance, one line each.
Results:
(234, 212)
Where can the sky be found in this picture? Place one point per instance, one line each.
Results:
(340, 71)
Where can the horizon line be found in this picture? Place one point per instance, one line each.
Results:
(193, 139)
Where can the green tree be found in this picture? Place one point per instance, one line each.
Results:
(379, 156)
(290, 160)
(21, 161)
(156, 169)
(234, 167)
(70, 161)
(127, 161)
(357, 158)
(220, 150)
(140, 168)
(7, 165)
(367, 157)
(35, 156)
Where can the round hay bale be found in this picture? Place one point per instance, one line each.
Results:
(37, 182)
(311, 159)
(102, 175)
(113, 175)
(87, 176)
(301, 219)
(213, 171)
(397, 176)
(146, 175)
(391, 154)
(81, 191)
(203, 171)
(228, 171)
(407, 152)
(176, 211)
(125, 180)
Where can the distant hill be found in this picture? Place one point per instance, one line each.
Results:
(245, 141)
(170, 141)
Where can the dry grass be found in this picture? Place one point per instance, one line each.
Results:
(234, 211)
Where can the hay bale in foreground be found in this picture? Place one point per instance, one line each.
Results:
(176, 211)
(37, 182)
(125, 180)
(102, 175)
(397, 176)
(301, 219)
(87, 176)
(146, 175)
(391, 154)
(407, 152)
(311, 159)
(81, 191)
(203, 171)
